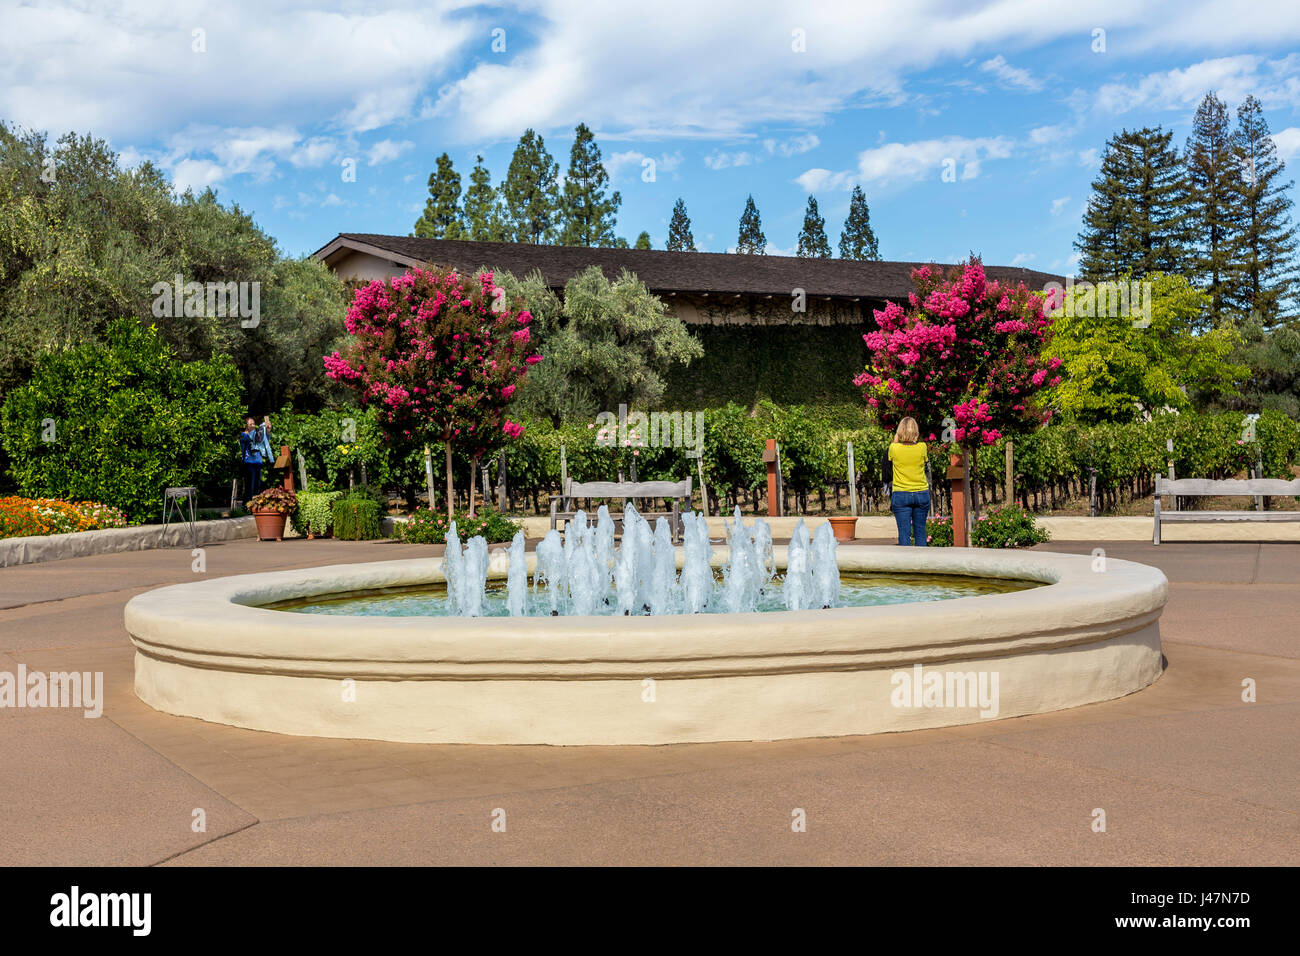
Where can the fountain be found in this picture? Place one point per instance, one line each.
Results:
(752, 641)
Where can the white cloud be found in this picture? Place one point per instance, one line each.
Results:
(386, 150)
(927, 158)
(1058, 205)
(1023, 258)
(721, 160)
(633, 161)
(1010, 75)
(1288, 143)
(1089, 157)
(196, 174)
(1275, 83)
(1048, 135)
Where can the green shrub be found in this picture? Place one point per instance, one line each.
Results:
(1009, 527)
(430, 527)
(356, 519)
(938, 532)
(315, 512)
(121, 422)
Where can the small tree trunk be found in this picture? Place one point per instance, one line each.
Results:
(451, 491)
(473, 474)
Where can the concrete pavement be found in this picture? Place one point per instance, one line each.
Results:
(1185, 771)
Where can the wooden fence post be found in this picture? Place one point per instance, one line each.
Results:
(853, 484)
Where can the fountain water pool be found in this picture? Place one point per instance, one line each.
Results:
(219, 649)
(580, 573)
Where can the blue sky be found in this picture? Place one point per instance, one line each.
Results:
(267, 102)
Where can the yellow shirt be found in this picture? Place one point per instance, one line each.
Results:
(909, 466)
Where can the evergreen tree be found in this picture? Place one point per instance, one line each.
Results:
(529, 196)
(679, 230)
(1265, 248)
(1212, 201)
(751, 239)
(442, 217)
(620, 243)
(812, 238)
(1135, 221)
(586, 214)
(643, 241)
(858, 240)
(482, 209)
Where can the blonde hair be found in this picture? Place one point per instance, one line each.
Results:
(907, 432)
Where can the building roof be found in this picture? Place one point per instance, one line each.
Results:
(665, 272)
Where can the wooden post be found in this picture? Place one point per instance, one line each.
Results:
(1011, 476)
(285, 461)
(853, 484)
(704, 490)
(564, 470)
(1092, 492)
(957, 482)
(780, 483)
(769, 459)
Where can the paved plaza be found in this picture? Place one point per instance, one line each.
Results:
(1186, 772)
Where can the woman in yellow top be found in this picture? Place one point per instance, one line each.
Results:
(910, 498)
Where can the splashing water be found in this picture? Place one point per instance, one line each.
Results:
(583, 572)
(517, 576)
(798, 570)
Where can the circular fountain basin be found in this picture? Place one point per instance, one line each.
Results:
(215, 651)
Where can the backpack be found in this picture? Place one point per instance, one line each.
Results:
(887, 469)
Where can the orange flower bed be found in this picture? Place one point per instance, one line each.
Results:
(36, 516)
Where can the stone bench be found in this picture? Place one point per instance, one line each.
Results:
(676, 492)
(1205, 487)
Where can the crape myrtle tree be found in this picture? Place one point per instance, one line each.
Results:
(439, 355)
(964, 359)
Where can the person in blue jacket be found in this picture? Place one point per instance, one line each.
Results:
(250, 453)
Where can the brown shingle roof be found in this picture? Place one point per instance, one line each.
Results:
(663, 271)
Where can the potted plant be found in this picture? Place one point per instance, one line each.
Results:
(271, 509)
(315, 515)
(843, 527)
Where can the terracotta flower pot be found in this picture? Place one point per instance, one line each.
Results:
(844, 527)
(270, 525)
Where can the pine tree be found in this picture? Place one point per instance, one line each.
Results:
(858, 241)
(442, 217)
(1265, 248)
(620, 243)
(1212, 201)
(586, 214)
(751, 239)
(482, 210)
(812, 238)
(643, 241)
(1135, 221)
(679, 230)
(529, 196)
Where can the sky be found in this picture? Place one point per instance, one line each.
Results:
(971, 127)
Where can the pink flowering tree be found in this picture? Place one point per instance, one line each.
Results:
(439, 355)
(964, 359)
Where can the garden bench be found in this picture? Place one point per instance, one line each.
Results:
(1194, 487)
(674, 491)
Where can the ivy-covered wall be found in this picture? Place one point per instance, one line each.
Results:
(786, 364)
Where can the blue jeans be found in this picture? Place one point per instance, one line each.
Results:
(910, 510)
